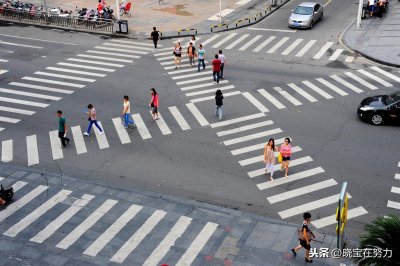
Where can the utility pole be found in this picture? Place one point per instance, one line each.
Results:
(117, 9)
(220, 7)
(360, 7)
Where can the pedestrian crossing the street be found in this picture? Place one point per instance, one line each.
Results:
(396, 192)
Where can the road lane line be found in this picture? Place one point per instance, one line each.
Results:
(12, 100)
(202, 99)
(251, 42)
(39, 40)
(237, 120)
(260, 158)
(335, 55)
(9, 120)
(259, 146)
(255, 102)
(197, 114)
(118, 50)
(277, 45)
(132, 48)
(195, 80)
(361, 81)
(264, 43)
(86, 67)
(172, 62)
(223, 89)
(271, 98)
(32, 150)
(387, 74)
(55, 82)
(373, 77)
(203, 85)
(317, 90)
(397, 176)
(179, 118)
(224, 40)
(292, 46)
(293, 163)
(252, 136)
(105, 58)
(306, 48)
(141, 126)
(323, 50)
(101, 139)
(76, 72)
(31, 94)
(63, 76)
(7, 150)
(37, 87)
(302, 92)
(78, 140)
(237, 41)
(351, 213)
(18, 185)
(21, 45)
(100, 62)
(332, 87)
(193, 75)
(193, 69)
(393, 204)
(55, 144)
(212, 38)
(347, 84)
(287, 96)
(138, 43)
(162, 125)
(121, 131)
(244, 128)
(115, 54)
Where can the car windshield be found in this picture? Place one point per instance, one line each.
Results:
(392, 98)
(303, 10)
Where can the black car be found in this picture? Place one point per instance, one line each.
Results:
(380, 109)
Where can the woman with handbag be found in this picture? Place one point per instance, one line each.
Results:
(178, 54)
(154, 104)
(269, 157)
(305, 235)
(285, 150)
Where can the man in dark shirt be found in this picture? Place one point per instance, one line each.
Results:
(216, 67)
(155, 36)
(62, 128)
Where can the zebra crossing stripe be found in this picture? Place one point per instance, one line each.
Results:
(237, 41)
(301, 191)
(252, 136)
(255, 102)
(193, 75)
(294, 162)
(377, 79)
(11, 209)
(18, 185)
(332, 87)
(62, 219)
(197, 245)
(163, 53)
(291, 178)
(138, 43)
(351, 213)
(349, 59)
(54, 82)
(387, 74)
(121, 131)
(172, 62)
(259, 146)
(317, 90)
(30, 94)
(306, 48)
(292, 46)
(55, 145)
(260, 158)
(21, 45)
(302, 92)
(224, 40)
(63, 76)
(12, 100)
(249, 43)
(197, 114)
(86, 67)
(193, 69)
(195, 80)
(397, 176)
(141, 126)
(169, 240)
(111, 231)
(1, 178)
(119, 50)
(37, 213)
(7, 150)
(210, 40)
(4, 60)
(162, 125)
(198, 86)
(335, 55)
(393, 204)
(264, 43)
(78, 140)
(3, 71)
(310, 206)
(361, 81)
(115, 54)
(105, 58)
(170, 57)
(179, 118)
(288, 97)
(395, 190)
(237, 120)
(9, 120)
(223, 89)
(37, 87)
(100, 62)
(323, 50)
(277, 45)
(130, 47)
(347, 84)
(32, 150)
(132, 243)
(101, 139)
(271, 98)
(202, 99)
(244, 128)
(91, 220)
(76, 71)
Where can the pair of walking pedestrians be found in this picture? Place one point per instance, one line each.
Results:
(285, 151)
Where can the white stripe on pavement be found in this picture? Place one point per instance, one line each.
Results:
(302, 92)
(203, 73)
(32, 150)
(377, 79)
(255, 102)
(323, 50)
(361, 81)
(31, 94)
(237, 120)
(210, 40)
(294, 162)
(86, 67)
(197, 114)
(251, 42)
(7, 150)
(105, 58)
(301, 191)
(78, 140)
(76, 71)
(277, 45)
(54, 82)
(9, 120)
(237, 41)
(141, 126)
(347, 84)
(288, 97)
(3, 71)
(393, 204)
(292, 46)
(259, 146)
(387, 74)
(115, 54)
(63, 76)
(138, 43)
(129, 47)
(37, 213)
(112, 230)
(209, 84)
(4, 60)
(223, 89)
(351, 213)
(252, 136)
(317, 90)
(101, 139)
(349, 59)
(92, 219)
(37, 87)
(55, 144)
(335, 55)
(12, 100)
(193, 69)
(172, 62)
(162, 125)
(395, 190)
(132, 243)
(277, 30)
(119, 50)
(244, 128)
(202, 99)
(306, 48)
(20, 45)
(169, 57)
(18, 185)
(197, 245)
(121, 131)
(224, 40)
(100, 62)
(271, 98)
(264, 43)
(260, 158)
(62, 219)
(332, 87)
(163, 53)
(195, 80)
(397, 176)
(179, 118)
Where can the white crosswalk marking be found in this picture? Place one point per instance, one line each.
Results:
(294, 162)
(310, 206)
(237, 41)
(351, 213)
(361, 81)
(115, 54)
(132, 243)
(92, 219)
(138, 43)
(105, 58)
(63, 76)
(197, 114)
(76, 71)
(204, 85)
(349, 59)
(119, 50)
(291, 178)
(172, 62)
(131, 48)
(302, 92)
(332, 87)
(112, 230)
(264, 43)
(99, 62)
(3, 71)
(347, 84)
(244, 128)
(210, 40)
(12, 100)
(18, 185)
(317, 90)
(78, 140)
(12, 208)
(9, 120)
(323, 50)
(20, 45)
(62, 219)
(86, 67)
(393, 204)
(292, 46)
(260, 158)
(387, 74)
(252, 136)
(179, 118)
(163, 53)
(203, 73)
(4, 60)
(121, 131)
(277, 45)
(377, 79)
(286, 95)
(202, 99)
(193, 69)
(395, 190)
(30, 94)
(301, 191)
(223, 89)
(271, 98)
(169, 57)
(7, 150)
(224, 40)
(101, 139)
(32, 150)
(197, 245)
(335, 55)
(37, 213)
(162, 249)
(55, 144)
(259, 146)
(237, 120)
(54, 82)
(251, 42)
(37, 87)
(195, 80)
(162, 125)
(141, 126)
(255, 102)
(306, 48)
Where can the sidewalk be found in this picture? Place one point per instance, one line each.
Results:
(378, 40)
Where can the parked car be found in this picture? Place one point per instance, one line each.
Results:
(306, 15)
(380, 109)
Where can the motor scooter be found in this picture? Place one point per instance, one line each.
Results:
(6, 194)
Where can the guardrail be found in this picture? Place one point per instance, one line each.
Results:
(241, 20)
(219, 25)
(188, 29)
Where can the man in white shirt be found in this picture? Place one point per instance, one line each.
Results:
(222, 58)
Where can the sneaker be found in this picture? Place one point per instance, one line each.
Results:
(294, 252)
(86, 134)
(307, 260)
(101, 133)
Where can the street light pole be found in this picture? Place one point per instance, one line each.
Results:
(360, 7)
(45, 6)
(220, 6)
(117, 10)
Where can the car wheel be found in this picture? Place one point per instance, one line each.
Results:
(377, 119)
(311, 25)
(321, 17)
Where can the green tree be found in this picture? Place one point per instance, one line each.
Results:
(383, 233)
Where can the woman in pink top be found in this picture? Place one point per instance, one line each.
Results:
(269, 157)
(286, 151)
(154, 104)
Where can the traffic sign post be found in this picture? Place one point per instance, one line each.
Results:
(341, 216)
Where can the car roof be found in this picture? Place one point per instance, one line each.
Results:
(309, 4)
